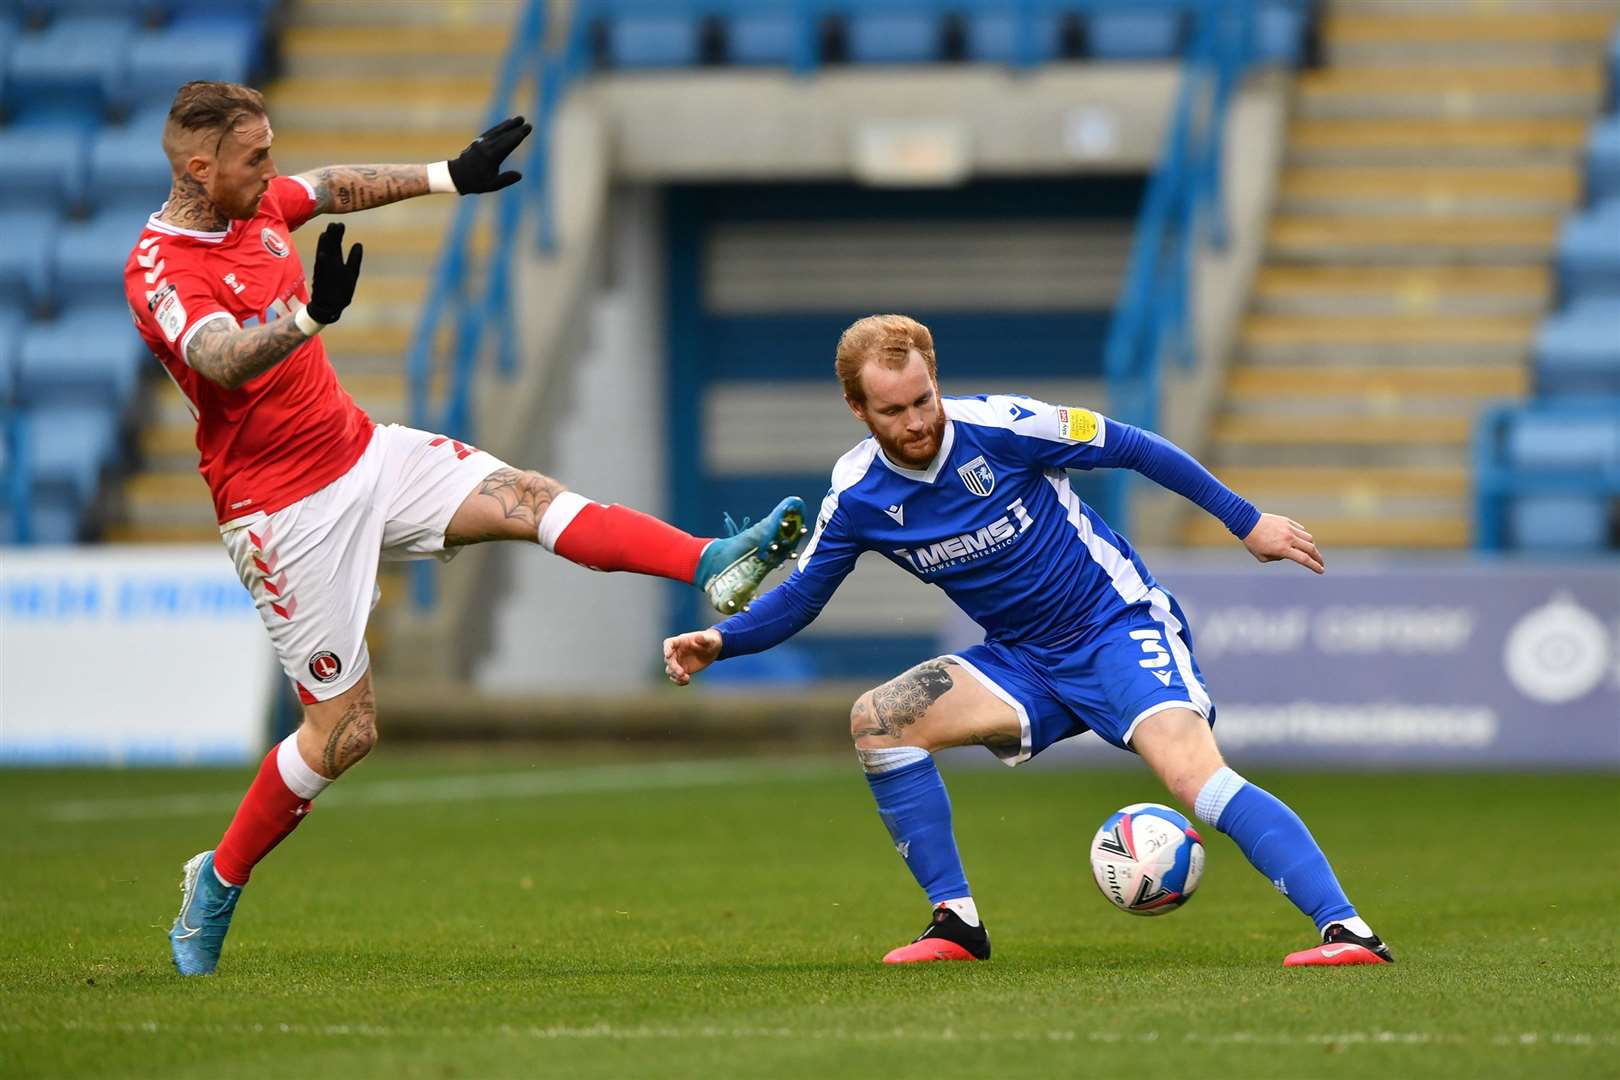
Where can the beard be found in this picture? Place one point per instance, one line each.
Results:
(916, 453)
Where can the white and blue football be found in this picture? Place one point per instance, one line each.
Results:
(1147, 859)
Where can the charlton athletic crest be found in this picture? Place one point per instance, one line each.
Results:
(274, 244)
(977, 476)
(325, 666)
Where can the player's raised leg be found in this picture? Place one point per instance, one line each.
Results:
(335, 735)
(1179, 746)
(896, 728)
(517, 504)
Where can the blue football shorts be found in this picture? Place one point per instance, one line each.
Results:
(1108, 680)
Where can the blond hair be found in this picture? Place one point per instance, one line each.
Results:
(207, 108)
(888, 340)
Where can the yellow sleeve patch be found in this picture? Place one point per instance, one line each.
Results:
(1079, 425)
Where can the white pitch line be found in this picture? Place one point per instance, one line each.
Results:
(590, 780)
(647, 1032)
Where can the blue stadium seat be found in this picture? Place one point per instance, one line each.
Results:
(1589, 251)
(760, 38)
(8, 34)
(73, 66)
(257, 10)
(1578, 349)
(160, 60)
(1566, 523)
(25, 257)
(993, 39)
(41, 166)
(128, 169)
(652, 41)
(89, 261)
(68, 446)
(1614, 70)
(1603, 159)
(12, 321)
(893, 37)
(1134, 35)
(1557, 441)
(134, 10)
(1281, 32)
(87, 356)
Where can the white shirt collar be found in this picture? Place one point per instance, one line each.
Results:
(156, 225)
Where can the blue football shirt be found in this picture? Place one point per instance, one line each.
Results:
(992, 521)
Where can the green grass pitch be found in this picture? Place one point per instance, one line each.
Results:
(483, 915)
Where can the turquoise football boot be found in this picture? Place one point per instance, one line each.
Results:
(732, 567)
(206, 907)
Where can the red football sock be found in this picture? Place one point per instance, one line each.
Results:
(269, 811)
(610, 537)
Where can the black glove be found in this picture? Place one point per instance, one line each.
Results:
(478, 168)
(334, 279)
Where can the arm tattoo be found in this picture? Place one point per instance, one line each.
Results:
(518, 495)
(899, 703)
(343, 189)
(229, 356)
(351, 737)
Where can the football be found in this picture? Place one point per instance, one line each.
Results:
(1147, 859)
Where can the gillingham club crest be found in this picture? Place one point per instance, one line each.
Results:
(977, 476)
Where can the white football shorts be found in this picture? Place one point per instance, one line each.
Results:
(312, 566)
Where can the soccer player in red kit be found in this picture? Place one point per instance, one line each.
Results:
(310, 493)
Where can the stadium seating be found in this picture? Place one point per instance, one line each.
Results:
(1578, 349)
(1556, 461)
(87, 355)
(1603, 158)
(1589, 255)
(43, 166)
(642, 34)
(11, 324)
(90, 256)
(25, 256)
(68, 72)
(84, 89)
(127, 169)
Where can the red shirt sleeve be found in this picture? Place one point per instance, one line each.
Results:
(292, 199)
(170, 309)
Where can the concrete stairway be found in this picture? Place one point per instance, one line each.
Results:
(1429, 164)
(363, 81)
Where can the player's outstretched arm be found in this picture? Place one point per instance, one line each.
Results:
(1274, 538)
(687, 654)
(343, 189)
(228, 355)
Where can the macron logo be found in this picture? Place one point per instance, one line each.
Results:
(898, 512)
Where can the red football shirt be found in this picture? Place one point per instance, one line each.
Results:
(287, 432)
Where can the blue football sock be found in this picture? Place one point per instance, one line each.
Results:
(912, 802)
(1276, 843)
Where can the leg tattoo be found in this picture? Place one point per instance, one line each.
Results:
(521, 496)
(351, 738)
(899, 703)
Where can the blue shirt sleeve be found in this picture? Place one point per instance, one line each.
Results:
(1075, 438)
(779, 614)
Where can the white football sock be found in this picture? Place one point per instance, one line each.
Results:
(1356, 925)
(965, 909)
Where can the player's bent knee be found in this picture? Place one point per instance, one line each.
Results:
(861, 722)
(347, 739)
(1178, 745)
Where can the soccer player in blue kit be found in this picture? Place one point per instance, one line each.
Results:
(972, 495)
